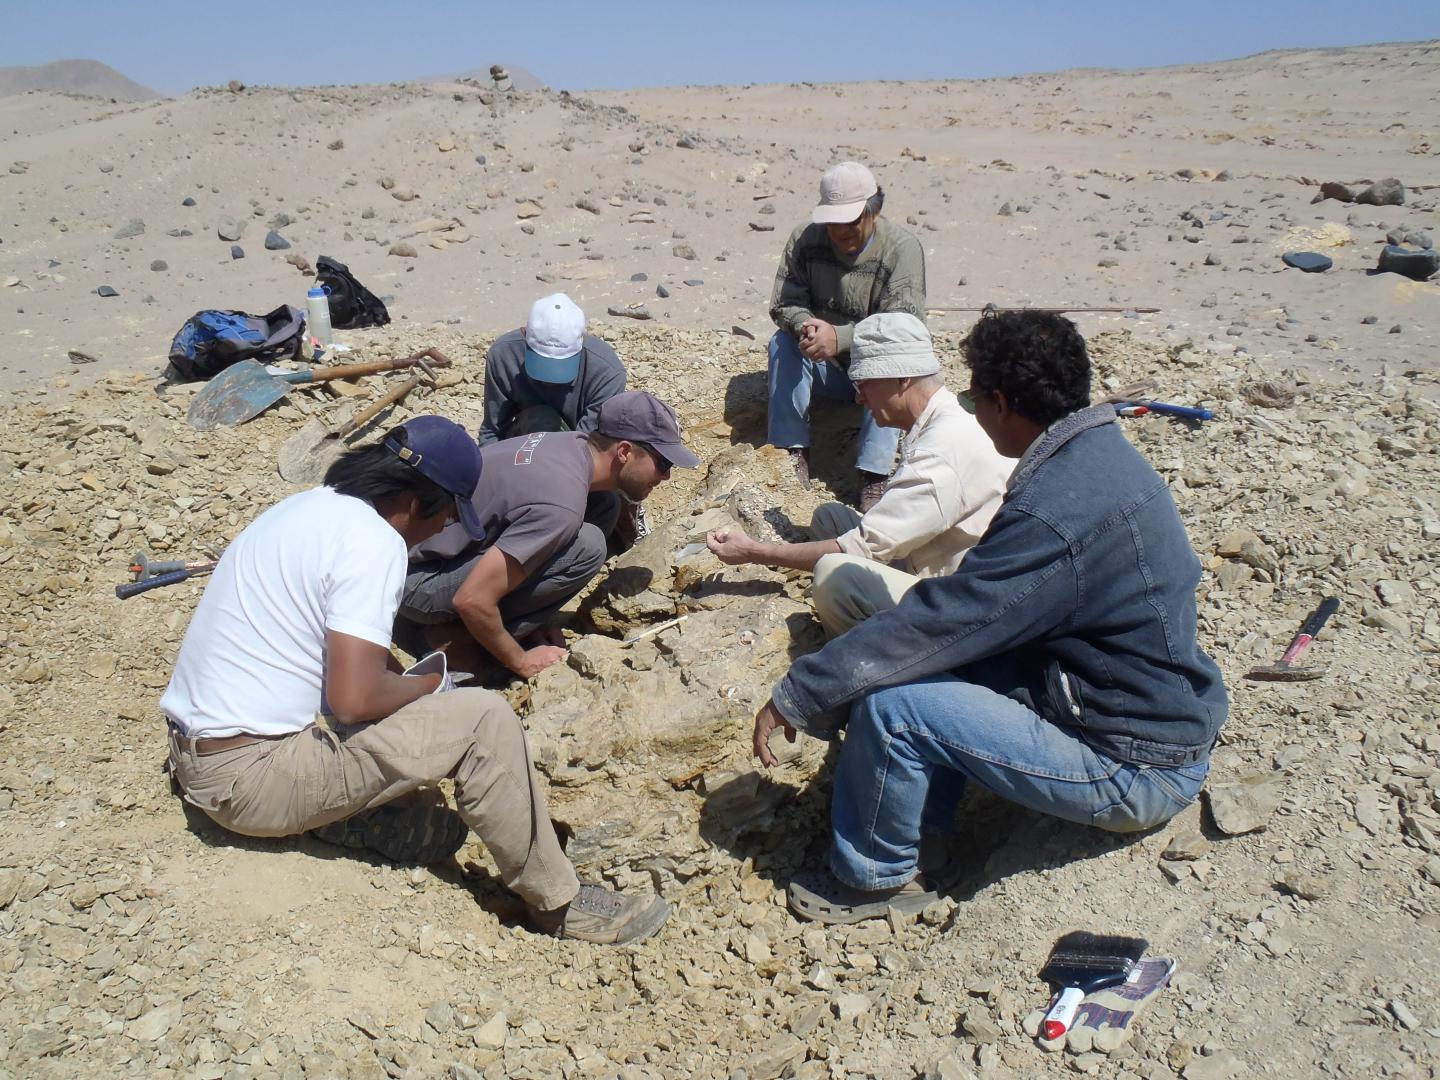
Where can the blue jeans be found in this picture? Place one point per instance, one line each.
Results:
(909, 750)
(791, 379)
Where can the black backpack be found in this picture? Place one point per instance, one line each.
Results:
(351, 304)
(212, 340)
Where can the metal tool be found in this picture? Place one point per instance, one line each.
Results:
(1288, 668)
(159, 581)
(1187, 412)
(942, 309)
(306, 455)
(144, 568)
(244, 390)
(1128, 394)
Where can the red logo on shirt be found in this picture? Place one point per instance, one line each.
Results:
(528, 447)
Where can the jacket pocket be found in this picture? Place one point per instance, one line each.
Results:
(1062, 702)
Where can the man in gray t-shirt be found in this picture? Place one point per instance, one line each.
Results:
(538, 550)
(548, 376)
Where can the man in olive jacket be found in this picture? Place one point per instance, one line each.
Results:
(1058, 666)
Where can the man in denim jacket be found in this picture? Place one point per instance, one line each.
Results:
(1058, 666)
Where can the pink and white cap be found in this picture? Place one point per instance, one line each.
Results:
(843, 191)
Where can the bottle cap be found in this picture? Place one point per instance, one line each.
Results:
(315, 290)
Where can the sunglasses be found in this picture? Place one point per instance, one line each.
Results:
(967, 401)
(662, 463)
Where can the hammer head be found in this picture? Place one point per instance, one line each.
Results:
(1286, 672)
(427, 369)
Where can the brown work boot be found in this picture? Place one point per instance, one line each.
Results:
(800, 459)
(872, 486)
(603, 916)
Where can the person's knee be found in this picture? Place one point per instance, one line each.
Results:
(427, 602)
(590, 551)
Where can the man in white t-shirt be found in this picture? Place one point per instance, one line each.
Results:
(934, 508)
(296, 622)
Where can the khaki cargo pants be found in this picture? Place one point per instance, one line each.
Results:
(848, 589)
(286, 786)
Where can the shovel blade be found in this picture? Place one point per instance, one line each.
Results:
(306, 455)
(242, 391)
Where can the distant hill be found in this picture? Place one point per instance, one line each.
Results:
(88, 77)
(521, 78)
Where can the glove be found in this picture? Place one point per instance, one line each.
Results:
(1105, 1018)
(437, 663)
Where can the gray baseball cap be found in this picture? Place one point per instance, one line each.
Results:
(636, 416)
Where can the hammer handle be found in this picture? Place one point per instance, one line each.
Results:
(159, 581)
(1309, 629)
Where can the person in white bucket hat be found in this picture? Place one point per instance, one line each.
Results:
(934, 509)
(845, 264)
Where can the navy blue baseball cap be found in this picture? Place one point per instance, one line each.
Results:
(444, 453)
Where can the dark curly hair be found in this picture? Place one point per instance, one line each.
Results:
(1035, 358)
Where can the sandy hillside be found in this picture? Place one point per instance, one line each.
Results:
(1178, 189)
(1301, 901)
(85, 77)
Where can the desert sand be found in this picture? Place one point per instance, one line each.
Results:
(1301, 900)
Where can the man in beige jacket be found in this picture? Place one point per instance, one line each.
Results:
(935, 507)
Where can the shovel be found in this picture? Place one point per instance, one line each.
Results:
(244, 390)
(306, 455)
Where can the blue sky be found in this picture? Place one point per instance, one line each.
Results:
(173, 46)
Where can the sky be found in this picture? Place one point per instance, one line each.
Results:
(172, 46)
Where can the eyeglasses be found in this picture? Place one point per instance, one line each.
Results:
(662, 463)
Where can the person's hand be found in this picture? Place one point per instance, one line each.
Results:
(766, 721)
(545, 635)
(818, 340)
(730, 545)
(538, 659)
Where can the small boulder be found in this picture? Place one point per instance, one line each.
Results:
(1311, 262)
(134, 227)
(1417, 264)
(1388, 192)
(275, 242)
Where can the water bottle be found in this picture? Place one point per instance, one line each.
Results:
(317, 313)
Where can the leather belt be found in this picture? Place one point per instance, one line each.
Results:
(205, 747)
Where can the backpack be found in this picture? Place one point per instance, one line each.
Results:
(210, 341)
(351, 304)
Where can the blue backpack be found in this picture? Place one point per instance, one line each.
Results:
(210, 341)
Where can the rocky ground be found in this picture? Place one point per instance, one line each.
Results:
(136, 939)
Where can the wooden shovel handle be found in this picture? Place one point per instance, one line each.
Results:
(353, 371)
(364, 416)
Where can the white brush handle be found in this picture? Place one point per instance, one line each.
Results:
(1058, 1019)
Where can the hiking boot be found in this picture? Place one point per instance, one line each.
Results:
(604, 917)
(872, 486)
(418, 834)
(800, 460)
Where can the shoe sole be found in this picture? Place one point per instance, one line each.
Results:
(813, 908)
(408, 835)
